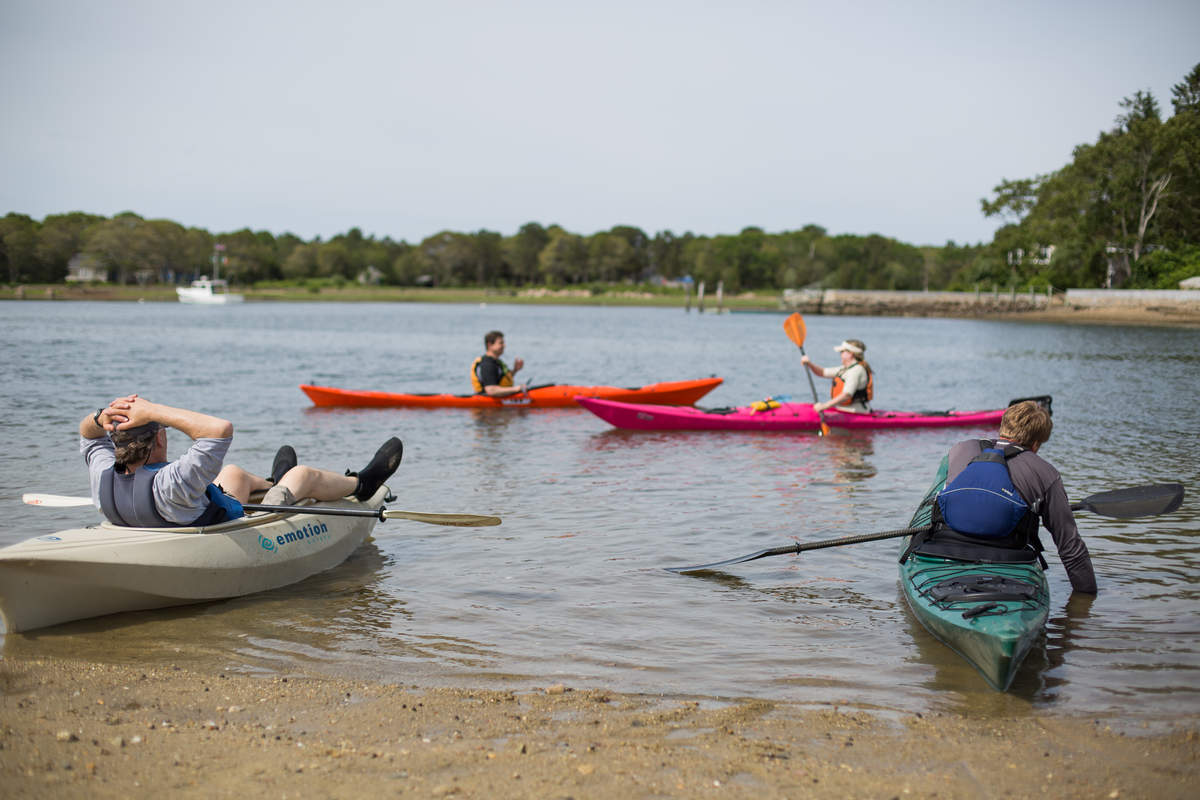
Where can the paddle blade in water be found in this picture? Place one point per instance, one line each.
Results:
(795, 329)
(1139, 501)
(454, 520)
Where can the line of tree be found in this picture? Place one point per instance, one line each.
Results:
(128, 248)
(1125, 211)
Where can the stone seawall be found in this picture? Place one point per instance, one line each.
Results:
(885, 303)
(983, 303)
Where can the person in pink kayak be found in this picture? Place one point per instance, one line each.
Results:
(125, 447)
(853, 382)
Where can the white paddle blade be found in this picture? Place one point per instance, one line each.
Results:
(54, 500)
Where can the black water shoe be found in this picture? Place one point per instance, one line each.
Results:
(285, 459)
(372, 476)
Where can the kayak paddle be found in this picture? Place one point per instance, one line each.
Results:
(1138, 501)
(455, 520)
(794, 327)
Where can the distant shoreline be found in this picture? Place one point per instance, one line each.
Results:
(1147, 315)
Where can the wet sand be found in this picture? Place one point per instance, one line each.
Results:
(72, 729)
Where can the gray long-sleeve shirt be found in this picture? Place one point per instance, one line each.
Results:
(1036, 480)
(179, 487)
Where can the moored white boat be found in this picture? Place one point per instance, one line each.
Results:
(207, 291)
(105, 569)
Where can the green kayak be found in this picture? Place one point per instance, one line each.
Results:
(989, 613)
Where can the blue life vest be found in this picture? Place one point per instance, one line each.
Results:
(981, 500)
(129, 500)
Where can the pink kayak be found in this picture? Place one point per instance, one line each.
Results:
(786, 417)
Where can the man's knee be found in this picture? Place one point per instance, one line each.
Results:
(299, 475)
(232, 472)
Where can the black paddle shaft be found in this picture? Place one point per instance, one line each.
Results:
(1138, 501)
(799, 547)
(336, 512)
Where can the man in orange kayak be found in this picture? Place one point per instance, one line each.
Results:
(490, 375)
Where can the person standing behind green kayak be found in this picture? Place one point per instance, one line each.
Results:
(490, 375)
(125, 447)
(853, 382)
(1024, 428)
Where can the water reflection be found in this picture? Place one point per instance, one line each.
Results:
(849, 451)
(956, 685)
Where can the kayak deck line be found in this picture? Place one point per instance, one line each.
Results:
(683, 392)
(786, 416)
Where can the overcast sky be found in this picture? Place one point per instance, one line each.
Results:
(407, 118)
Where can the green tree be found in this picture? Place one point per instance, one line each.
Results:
(60, 237)
(126, 245)
(665, 254)
(609, 258)
(522, 251)
(1180, 215)
(1135, 187)
(564, 258)
(301, 262)
(634, 265)
(18, 247)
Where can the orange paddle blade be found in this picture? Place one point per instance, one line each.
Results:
(794, 327)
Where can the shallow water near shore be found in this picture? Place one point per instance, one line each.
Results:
(571, 587)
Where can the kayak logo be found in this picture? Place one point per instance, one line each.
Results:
(307, 532)
(49, 538)
(267, 544)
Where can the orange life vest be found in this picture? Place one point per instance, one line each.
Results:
(506, 378)
(863, 396)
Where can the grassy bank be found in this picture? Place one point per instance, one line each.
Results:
(1180, 317)
(396, 294)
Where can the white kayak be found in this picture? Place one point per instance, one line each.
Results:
(105, 569)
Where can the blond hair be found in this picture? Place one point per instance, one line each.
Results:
(1026, 423)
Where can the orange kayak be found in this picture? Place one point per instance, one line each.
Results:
(554, 395)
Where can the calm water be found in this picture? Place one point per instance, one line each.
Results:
(570, 588)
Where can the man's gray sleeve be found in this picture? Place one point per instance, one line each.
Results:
(180, 488)
(99, 456)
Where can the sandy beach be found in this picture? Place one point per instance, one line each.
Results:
(70, 729)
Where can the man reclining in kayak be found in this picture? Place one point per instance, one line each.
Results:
(125, 447)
